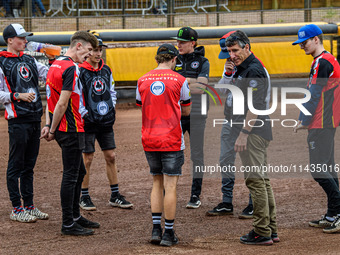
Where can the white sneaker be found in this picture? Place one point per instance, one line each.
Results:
(22, 216)
(38, 214)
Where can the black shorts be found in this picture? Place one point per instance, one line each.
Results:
(165, 162)
(106, 141)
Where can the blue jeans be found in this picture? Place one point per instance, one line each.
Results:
(40, 5)
(72, 145)
(24, 146)
(227, 159)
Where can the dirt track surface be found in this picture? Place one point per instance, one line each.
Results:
(298, 199)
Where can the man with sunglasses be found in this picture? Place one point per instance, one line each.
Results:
(252, 141)
(324, 105)
(192, 64)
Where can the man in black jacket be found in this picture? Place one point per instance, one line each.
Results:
(100, 100)
(195, 67)
(252, 141)
(19, 92)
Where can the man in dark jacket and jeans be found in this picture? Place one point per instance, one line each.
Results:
(195, 67)
(100, 100)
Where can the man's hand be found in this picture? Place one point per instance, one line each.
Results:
(229, 66)
(44, 132)
(241, 142)
(27, 97)
(299, 126)
(50, 137)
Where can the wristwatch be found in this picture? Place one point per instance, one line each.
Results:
(16, 96)
(245, 131)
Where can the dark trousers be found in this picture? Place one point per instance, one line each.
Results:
(321, 157)
(72, 145)
(195, 127)
(24, 145)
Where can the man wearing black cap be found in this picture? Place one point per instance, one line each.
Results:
(228, 138)
(163, 95)
(19, 92)
(195, 67)
(100, 100)
(324, 107)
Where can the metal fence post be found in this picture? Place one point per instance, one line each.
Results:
(123, 14)
(262, 7)
(218, 13)
(28, 15)
(170, 13)
(308, 11)
(78, 14)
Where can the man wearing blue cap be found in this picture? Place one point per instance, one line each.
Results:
(228, 138)
(324, 107)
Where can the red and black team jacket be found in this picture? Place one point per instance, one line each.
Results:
(324, 85)
(21, 75)
(99, 96)
(63, 75)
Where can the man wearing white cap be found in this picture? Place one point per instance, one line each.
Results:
(19, 92)
(324, 107)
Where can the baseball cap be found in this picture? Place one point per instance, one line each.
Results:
(15, 30)
(186, 34)
(306, 32)
(170, 49)
(100, 42)
(224, 52)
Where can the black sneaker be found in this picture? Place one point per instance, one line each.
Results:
(120, 201)
(253, 238)
(221, 209)
(169, 238)
(322, 223)
(334, 227)
(247, 212)
(194, 202)
(275, 238)
(76, 230)
(156, 236)
(85, 223)
(86, 204)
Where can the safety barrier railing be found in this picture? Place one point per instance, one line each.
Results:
(110, 6)
(203, 4)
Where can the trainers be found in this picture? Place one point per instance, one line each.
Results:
(334, 227)
(169, 238)
(86, 204)
(22, 216)
(37, 213)
(76, 230)
(275, 238)
(156, 236)
(85, 223)
(247, 212)
(322, 223)
(221, 209)
(120, 201)
(253, 238)
(194, 202)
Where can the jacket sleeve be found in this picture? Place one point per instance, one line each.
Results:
(5, 95)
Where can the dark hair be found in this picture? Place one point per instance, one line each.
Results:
(161, 58)
(320, 36)
(239, 37)
(84, 37)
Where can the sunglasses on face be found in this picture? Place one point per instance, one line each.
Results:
(234, 38)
